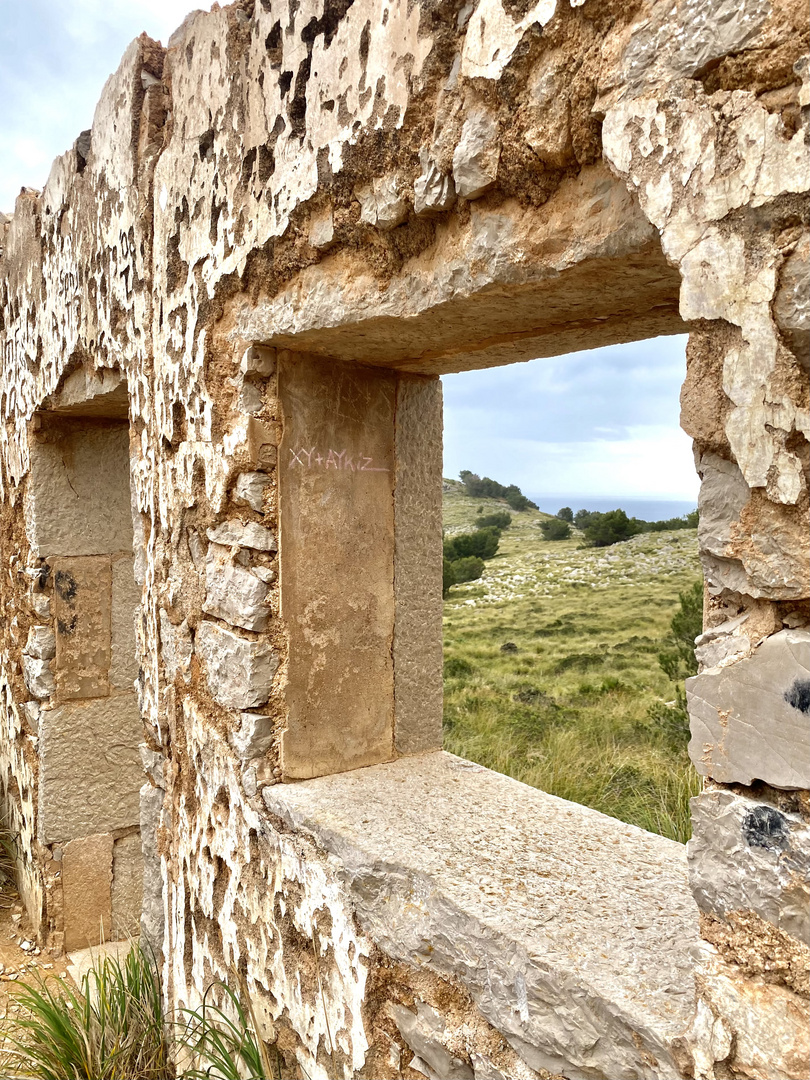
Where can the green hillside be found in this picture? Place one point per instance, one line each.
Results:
(551, 666)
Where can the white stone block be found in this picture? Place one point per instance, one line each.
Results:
(240, 672)
(41, 643)
(259, 360)
(250, 488)
(248, 534)
(751, 720)
(234, 593)
(254, 737)
(38, 677)
(433, 191)
(475, 159)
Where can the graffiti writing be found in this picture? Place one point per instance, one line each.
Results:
(340, 460)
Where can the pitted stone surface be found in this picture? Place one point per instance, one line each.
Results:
(748, 855)
(751, 720)
(571, 930)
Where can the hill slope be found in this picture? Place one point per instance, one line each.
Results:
(551, 666)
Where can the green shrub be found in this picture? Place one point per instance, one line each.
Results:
(448, 576)
(483, 543)
(500, 520)
(468, 569)
(456, 668)
(555, 529)
(112, 1028)
(566, 514)
(485, 488)
(678, 662)
(602, 530)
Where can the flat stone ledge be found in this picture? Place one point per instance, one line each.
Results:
(572, 931)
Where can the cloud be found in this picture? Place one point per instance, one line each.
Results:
(55, 57)
(589, 423)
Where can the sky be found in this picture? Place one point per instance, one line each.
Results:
(599, 423)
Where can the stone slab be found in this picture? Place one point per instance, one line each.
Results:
(83, 610)
(127, 887)
(418, 689)
(77, 499)
(126, 598)
(748, 855)
(90, 768)
(572, 931)
(86, 890)
(751, 720)
(336, 498)
(152, 920)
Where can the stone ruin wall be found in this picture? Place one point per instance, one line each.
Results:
(336, 202)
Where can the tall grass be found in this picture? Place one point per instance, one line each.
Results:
(113, 1028)
(226, 1041)
(571, 705)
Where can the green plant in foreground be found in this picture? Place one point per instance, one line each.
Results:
(227, 1045)
(112, 1029)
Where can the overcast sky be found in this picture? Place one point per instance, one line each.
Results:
(597, 423)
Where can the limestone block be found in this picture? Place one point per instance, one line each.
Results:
(751, 720)
(86, 890)
(240, 672)
(748, 855)
(417, 566)
(152, 921)
(382, 203)
(83, 610)
(77, 499)
(250, 488)
(424, 1031)
(433, 190)
(234, 593)
(322, 229)
(249, 399)
(127, 887)
(176, 647)
(41, 643)
(38, 677)
(755, 1029)
(248, 535)
(721, 645)
(572, 932)
(90, 771)
(31, 711)
(791, 306)
(258, 361)
(41, 603)
(254, 737)
(475, 159)
(126, 598)
(723, 494)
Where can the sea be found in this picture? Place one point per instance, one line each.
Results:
(643, 509)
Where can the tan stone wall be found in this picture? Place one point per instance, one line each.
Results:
(420, 188)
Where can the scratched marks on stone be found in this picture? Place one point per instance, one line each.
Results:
(340, 460)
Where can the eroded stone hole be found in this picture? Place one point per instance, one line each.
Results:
(80, 666)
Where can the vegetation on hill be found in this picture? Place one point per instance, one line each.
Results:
(613, 526)
(484, 488)
(575, 704)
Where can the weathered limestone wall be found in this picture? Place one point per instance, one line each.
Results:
(280, 230)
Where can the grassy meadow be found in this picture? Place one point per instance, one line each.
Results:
(550, 663)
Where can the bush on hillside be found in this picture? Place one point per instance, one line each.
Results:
(485, 488)
(602, 530)
(468, 569)
(566, 514)
(678, 662)
(554, 529)
(500, 520)
(448, 576)
(483, 543)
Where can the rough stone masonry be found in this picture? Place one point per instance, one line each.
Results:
(223, 321)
